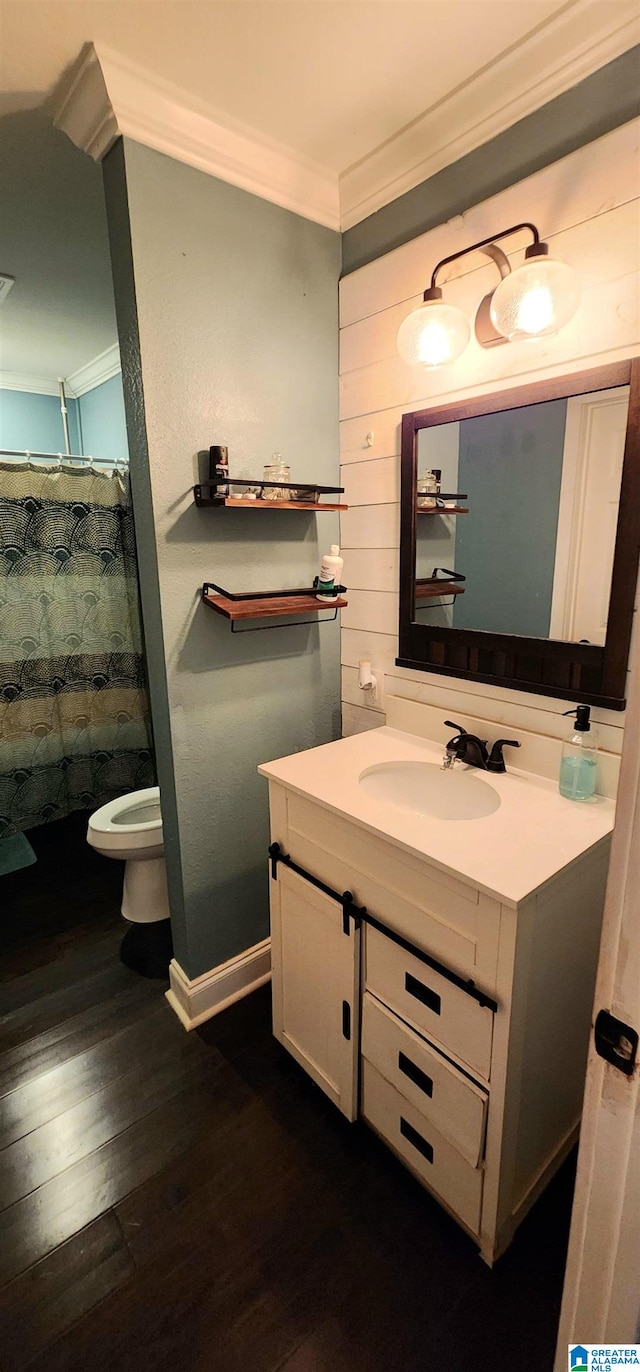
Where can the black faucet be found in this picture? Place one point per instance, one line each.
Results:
(465, 747)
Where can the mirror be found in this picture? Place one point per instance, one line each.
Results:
(520, 530)
(533, 527)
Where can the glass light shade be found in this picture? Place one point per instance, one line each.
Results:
(535, 300)
(433, 335)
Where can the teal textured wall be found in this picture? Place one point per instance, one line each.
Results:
(102, 420)
(115, 184)
(28, 420)
(238, 346)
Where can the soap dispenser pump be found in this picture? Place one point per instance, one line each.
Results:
(579, 758)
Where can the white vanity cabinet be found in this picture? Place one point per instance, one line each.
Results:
(454, 1022)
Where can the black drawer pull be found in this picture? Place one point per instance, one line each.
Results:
(416, 1139)
(415, 1074)
(346, 1019)
(421, 992)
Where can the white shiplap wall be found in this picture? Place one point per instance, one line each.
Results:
(587, 205)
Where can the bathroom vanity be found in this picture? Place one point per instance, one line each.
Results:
(434, 946)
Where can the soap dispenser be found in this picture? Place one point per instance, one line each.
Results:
(579, 758)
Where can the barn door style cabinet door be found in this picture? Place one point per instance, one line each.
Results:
(316, 984)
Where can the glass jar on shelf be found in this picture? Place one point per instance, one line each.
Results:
(276, 470)
(428, 490)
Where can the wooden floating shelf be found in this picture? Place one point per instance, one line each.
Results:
(206, 494)
(269, 608)
(431, 589)
(241, 503)
(276, 605)
(439, 510)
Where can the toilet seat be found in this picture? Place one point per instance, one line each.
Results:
(132, 822)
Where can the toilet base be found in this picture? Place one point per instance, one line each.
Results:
(148, 949)
(145, 898)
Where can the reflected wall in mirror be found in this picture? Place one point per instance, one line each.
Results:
(519, 565)
(534, 530)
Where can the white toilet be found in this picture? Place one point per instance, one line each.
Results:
(130, 829)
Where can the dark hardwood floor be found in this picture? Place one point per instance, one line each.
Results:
(192, 1200)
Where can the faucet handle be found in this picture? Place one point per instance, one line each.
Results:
(496, 761)
(459, 728)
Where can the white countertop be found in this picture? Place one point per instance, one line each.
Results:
(508, 854)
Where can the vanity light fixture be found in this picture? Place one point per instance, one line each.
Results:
(531, 301)
(435, 333)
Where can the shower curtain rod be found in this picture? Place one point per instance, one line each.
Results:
(65, 457)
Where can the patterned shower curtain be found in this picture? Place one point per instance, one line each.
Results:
(74, 726)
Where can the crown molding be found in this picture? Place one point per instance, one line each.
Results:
(95, 373)
(547, 62)
(82, 107)
(35, 385)
(107, 95)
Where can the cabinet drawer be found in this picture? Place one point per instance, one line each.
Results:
(446, 1098)
(426, 1151)
(453, 1019)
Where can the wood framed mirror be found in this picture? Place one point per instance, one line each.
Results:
(528, 578)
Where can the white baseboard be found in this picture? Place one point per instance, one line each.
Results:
(198, 1000)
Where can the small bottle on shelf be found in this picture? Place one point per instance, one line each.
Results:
(220, 456)
(330, 576)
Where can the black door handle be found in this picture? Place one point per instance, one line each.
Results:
(616, 1042)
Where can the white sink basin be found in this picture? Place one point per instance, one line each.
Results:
(429, 790)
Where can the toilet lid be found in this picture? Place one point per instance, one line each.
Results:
(140, 811)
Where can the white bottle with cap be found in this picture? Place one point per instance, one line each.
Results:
(330, 575)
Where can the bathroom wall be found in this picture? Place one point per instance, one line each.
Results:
(510, 465)
(603, 101)
(32, 420)
(587, 205)
(53, 240)
(96, 421)
(102, 420)
(237, 326)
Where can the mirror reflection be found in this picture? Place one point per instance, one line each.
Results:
(516, 518)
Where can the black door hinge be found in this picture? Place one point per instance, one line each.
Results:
(616, 1042)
